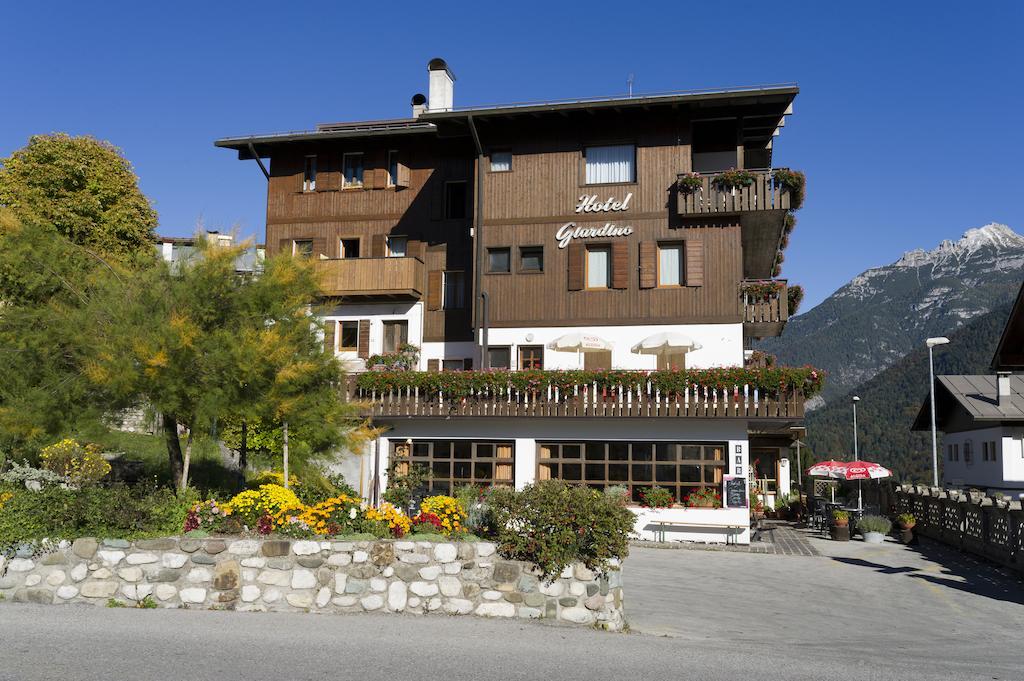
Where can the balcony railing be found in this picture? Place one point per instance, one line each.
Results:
(385, 277)
(765, 302)
(628, 399)
(708, 199)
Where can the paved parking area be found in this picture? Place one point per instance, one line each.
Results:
(928, 602)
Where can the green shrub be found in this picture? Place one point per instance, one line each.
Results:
(115, 511)
(874, 523)
(553, 525)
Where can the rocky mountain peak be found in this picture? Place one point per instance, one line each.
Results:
(992, 235)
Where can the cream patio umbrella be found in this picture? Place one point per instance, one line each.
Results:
(579, 343)
(666, 343)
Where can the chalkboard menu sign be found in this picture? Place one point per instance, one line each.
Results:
(735, 495)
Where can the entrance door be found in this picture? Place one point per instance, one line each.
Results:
(396, 334)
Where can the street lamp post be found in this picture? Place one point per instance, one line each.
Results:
(856, 453)
(931, 343)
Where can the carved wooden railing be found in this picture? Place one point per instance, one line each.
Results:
(762, 194)
(639, 399)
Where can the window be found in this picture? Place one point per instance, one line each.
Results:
(605, 165)
(309, 174)
(671, 361)
(499, 357)
(680, 467)
(452, 463)
(531, 357)
(498, 260)
(303, 248)
(453, 364)
(397, 246)
(392, 168)
(599, 360)
(988, 451)
(455, 200)
(670, 264)
(968, 446)
(598, 267)
(992, 450)
(396, 334)
(454, 290)
(531, 259)
(352, 168)
(349, 337)
(501, 161)
(349, 248)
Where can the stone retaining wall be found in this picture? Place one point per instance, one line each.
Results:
(314, 576)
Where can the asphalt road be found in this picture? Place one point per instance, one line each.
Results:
(85, 642)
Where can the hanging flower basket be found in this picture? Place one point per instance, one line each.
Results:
(690, 182)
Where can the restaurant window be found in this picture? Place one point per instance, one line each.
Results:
(498, 260)
(392, 168)
(452, 463)
(599, 267)
(670, 264)
(531, 357)
(303, 248)
(455, 200)
(352, 169)
(396, 334)
(454, 290)
(349, 337)
(499, 357)
(605, 165)
(349, 248)
(681, 468)
(531, 259)
(501, 161)
(397, 246)
(309, 174)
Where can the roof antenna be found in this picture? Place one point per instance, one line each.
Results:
(629, 84)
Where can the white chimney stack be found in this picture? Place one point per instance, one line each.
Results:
(1003, 389)
(442, 86)
(419, 104)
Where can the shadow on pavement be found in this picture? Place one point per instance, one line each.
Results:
(958, 571)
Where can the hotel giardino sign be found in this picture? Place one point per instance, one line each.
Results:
(589, 203)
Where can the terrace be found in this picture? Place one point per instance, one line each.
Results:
(390, 277)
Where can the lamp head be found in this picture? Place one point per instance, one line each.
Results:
(856, 399)
(939, 340)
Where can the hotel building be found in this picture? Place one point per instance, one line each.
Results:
(589, 234)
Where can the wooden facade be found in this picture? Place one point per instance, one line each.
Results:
(413, 168)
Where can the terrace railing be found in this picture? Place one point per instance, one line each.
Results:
(628, 399)
(765, 308)
(985, 526)
(709, 199)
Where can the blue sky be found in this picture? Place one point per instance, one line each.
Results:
(908, 124)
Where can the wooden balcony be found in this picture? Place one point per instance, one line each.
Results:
(390, 278)
(633, 400)
(765, 313)
(763, 194)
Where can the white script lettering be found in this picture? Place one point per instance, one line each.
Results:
(571, 230)
(589, 203)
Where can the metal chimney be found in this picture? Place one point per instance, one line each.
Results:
(419, 104)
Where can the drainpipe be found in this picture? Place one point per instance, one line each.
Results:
(480, 315)
(485, 303)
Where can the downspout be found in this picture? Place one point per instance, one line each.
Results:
(480, 309)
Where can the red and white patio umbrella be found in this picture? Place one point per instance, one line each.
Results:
(850, 470)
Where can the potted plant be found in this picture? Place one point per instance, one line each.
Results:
(906, 523)
(756, 503)
(732, 179)
(705, 497)
(874, 528)
(840, 530)
(690, 182)
(656, 497)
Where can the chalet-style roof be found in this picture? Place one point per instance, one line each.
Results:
(973, 398)
(764, 105)
(1009, 354)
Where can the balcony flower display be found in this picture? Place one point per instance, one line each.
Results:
(734, 179)
(794, 181)
(690, 182)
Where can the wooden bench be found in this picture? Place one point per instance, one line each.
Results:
(659, 533)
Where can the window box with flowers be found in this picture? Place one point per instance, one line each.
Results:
(689, 183)
(705, 497)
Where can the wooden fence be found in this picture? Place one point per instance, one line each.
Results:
(985, 526)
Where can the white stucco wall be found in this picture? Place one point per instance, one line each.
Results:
(378, 313)
(1004, 474)
(721, 344)
(526, 431)
(454, 350)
